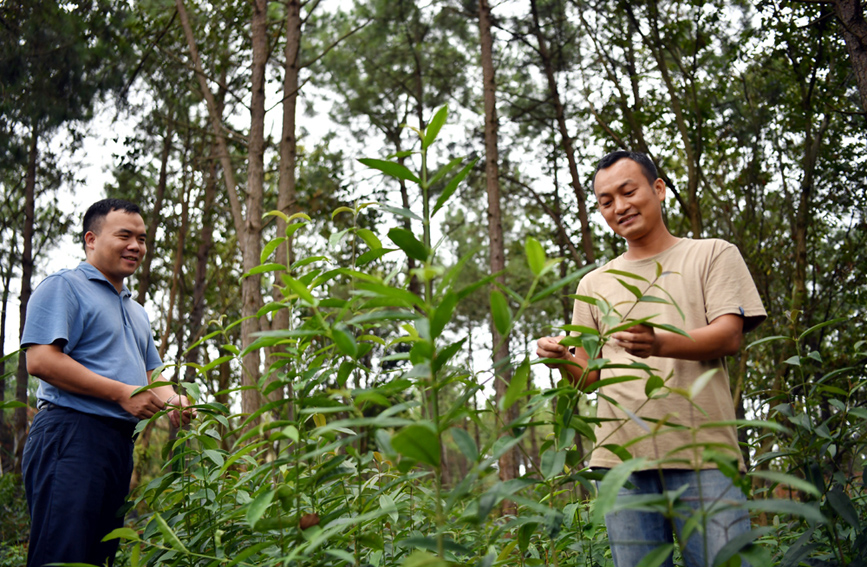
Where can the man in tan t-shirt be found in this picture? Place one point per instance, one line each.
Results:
(702, 287)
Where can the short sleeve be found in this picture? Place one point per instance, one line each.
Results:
(730, 289)
(53, 315)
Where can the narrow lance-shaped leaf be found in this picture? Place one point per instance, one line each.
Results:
(269, 248)
(500, 312)
(535, 255)
(390, 168)
(433, 129)
(517, 386)
(452, 186)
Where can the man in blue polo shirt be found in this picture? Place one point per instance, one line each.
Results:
(91, 347)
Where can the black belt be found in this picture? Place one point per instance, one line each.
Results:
(122, 426)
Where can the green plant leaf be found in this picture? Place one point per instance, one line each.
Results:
(433, 129)
(842, 505)
(809, 512)
(443, 171)
(632, 289)
(626, 275)
(656, 556)
(788, 480)
(767, 340)
(405, 213)
(552, 463)
(369, 238)
(610, 485)
(264, 268)
(452, 186)
(535, 255)
(698, 385)
(168, 534)
(407, 242)
(821, 325)
(560, 284)
(517, 386)
(444, 355)
(372, 255)
(419, 558)
(256, 509)
(419, 442)
(269, 248)
(465, 443)
(653, 384)
(301, 290)
(443, 314)
(500, 312)
(122, 533)
(390, 168)
(345, 340)
(386, 503)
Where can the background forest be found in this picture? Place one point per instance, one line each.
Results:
(362, 215)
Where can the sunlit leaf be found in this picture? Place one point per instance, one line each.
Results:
(535, 255)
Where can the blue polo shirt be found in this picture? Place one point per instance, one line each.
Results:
(102, 329)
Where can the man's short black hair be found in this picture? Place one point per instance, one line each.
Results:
(97, 212)
(647, 166)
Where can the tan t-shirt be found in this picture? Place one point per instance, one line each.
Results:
(707, 278)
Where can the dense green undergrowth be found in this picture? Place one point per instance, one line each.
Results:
(346, 465)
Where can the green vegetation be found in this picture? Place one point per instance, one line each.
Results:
(338, 474)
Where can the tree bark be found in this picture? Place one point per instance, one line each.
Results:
(508, 462)
(22, 377)
(144, 274)
(854, 28)
(251, 290)
(248, 229)
(286, 198)
(4, 305)
(565, 139)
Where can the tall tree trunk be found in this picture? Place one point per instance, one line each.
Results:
(4, 305)
(251, 291)
(509, 461)
(565, 139)
(177, 273)
(248, 229)
(854, 27)
(286, 198)
(144, 273)
(203, 252)
(22, 376)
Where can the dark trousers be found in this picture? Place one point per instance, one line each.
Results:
(77, 469)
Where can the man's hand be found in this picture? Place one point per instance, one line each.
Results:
(183, 413)
(550, 347)
(143, 405)
(639, 340)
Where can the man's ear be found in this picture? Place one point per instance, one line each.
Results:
(659, 187)
(89, 238)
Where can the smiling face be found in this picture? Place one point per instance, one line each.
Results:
(630, 203)
(116, 245)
